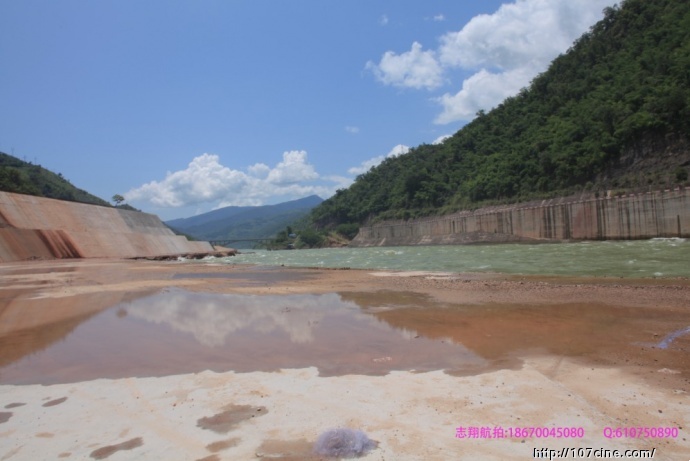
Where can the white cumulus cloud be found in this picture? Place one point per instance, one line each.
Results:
(412, 69)
(207, 181)
(367, 165)
(259, 170)
(293, 169)
(482, 91)
(441, 138)
(204, 180)
(502, 52)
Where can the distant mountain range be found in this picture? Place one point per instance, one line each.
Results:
(235, 222)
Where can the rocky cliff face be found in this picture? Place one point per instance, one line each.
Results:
(41, 228)
(653, 161)
(634, 216)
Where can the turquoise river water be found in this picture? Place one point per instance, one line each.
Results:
(639, 258)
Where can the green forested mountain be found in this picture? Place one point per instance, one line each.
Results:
(26, 178)
(611, 113)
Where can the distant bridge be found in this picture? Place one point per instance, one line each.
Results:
(223, 243)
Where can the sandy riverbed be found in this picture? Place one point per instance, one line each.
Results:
(254, 363)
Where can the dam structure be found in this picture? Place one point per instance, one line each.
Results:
(627, 217)
(43, 228)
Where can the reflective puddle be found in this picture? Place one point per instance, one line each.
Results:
(177, 331)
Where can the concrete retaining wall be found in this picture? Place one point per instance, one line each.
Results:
(35, 227)
(636, 216)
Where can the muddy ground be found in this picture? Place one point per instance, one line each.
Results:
(108, 359)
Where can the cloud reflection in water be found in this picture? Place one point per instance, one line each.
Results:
(211, 318)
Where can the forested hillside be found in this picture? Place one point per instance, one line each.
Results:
(26, 178)
(611, 113)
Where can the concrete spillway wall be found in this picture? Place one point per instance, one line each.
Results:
(36, 227)
(635, 216)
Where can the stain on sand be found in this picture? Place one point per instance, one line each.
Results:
(5, 416)
(221, 445)
(104, 452)
(225, 421)
(14, 405)
(209, 458)
(287, 450)
(54, 402)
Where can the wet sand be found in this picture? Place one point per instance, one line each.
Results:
(108, 359)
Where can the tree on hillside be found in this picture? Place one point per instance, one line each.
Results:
(117, 198)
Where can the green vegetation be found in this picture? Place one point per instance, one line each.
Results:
(347, 230)
(307, 238)
(125, 206)
(118, 199)
(175, 231)
(289, 240)
(310, 238)
(26, 178)
(601, 117)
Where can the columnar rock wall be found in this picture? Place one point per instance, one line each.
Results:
(36, 227)
(635, 216)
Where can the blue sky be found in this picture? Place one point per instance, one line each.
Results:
(186, 106)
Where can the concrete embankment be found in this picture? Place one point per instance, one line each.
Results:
(41, 228)
(635, 216)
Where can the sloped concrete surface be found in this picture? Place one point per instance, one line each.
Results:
(41, 228)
